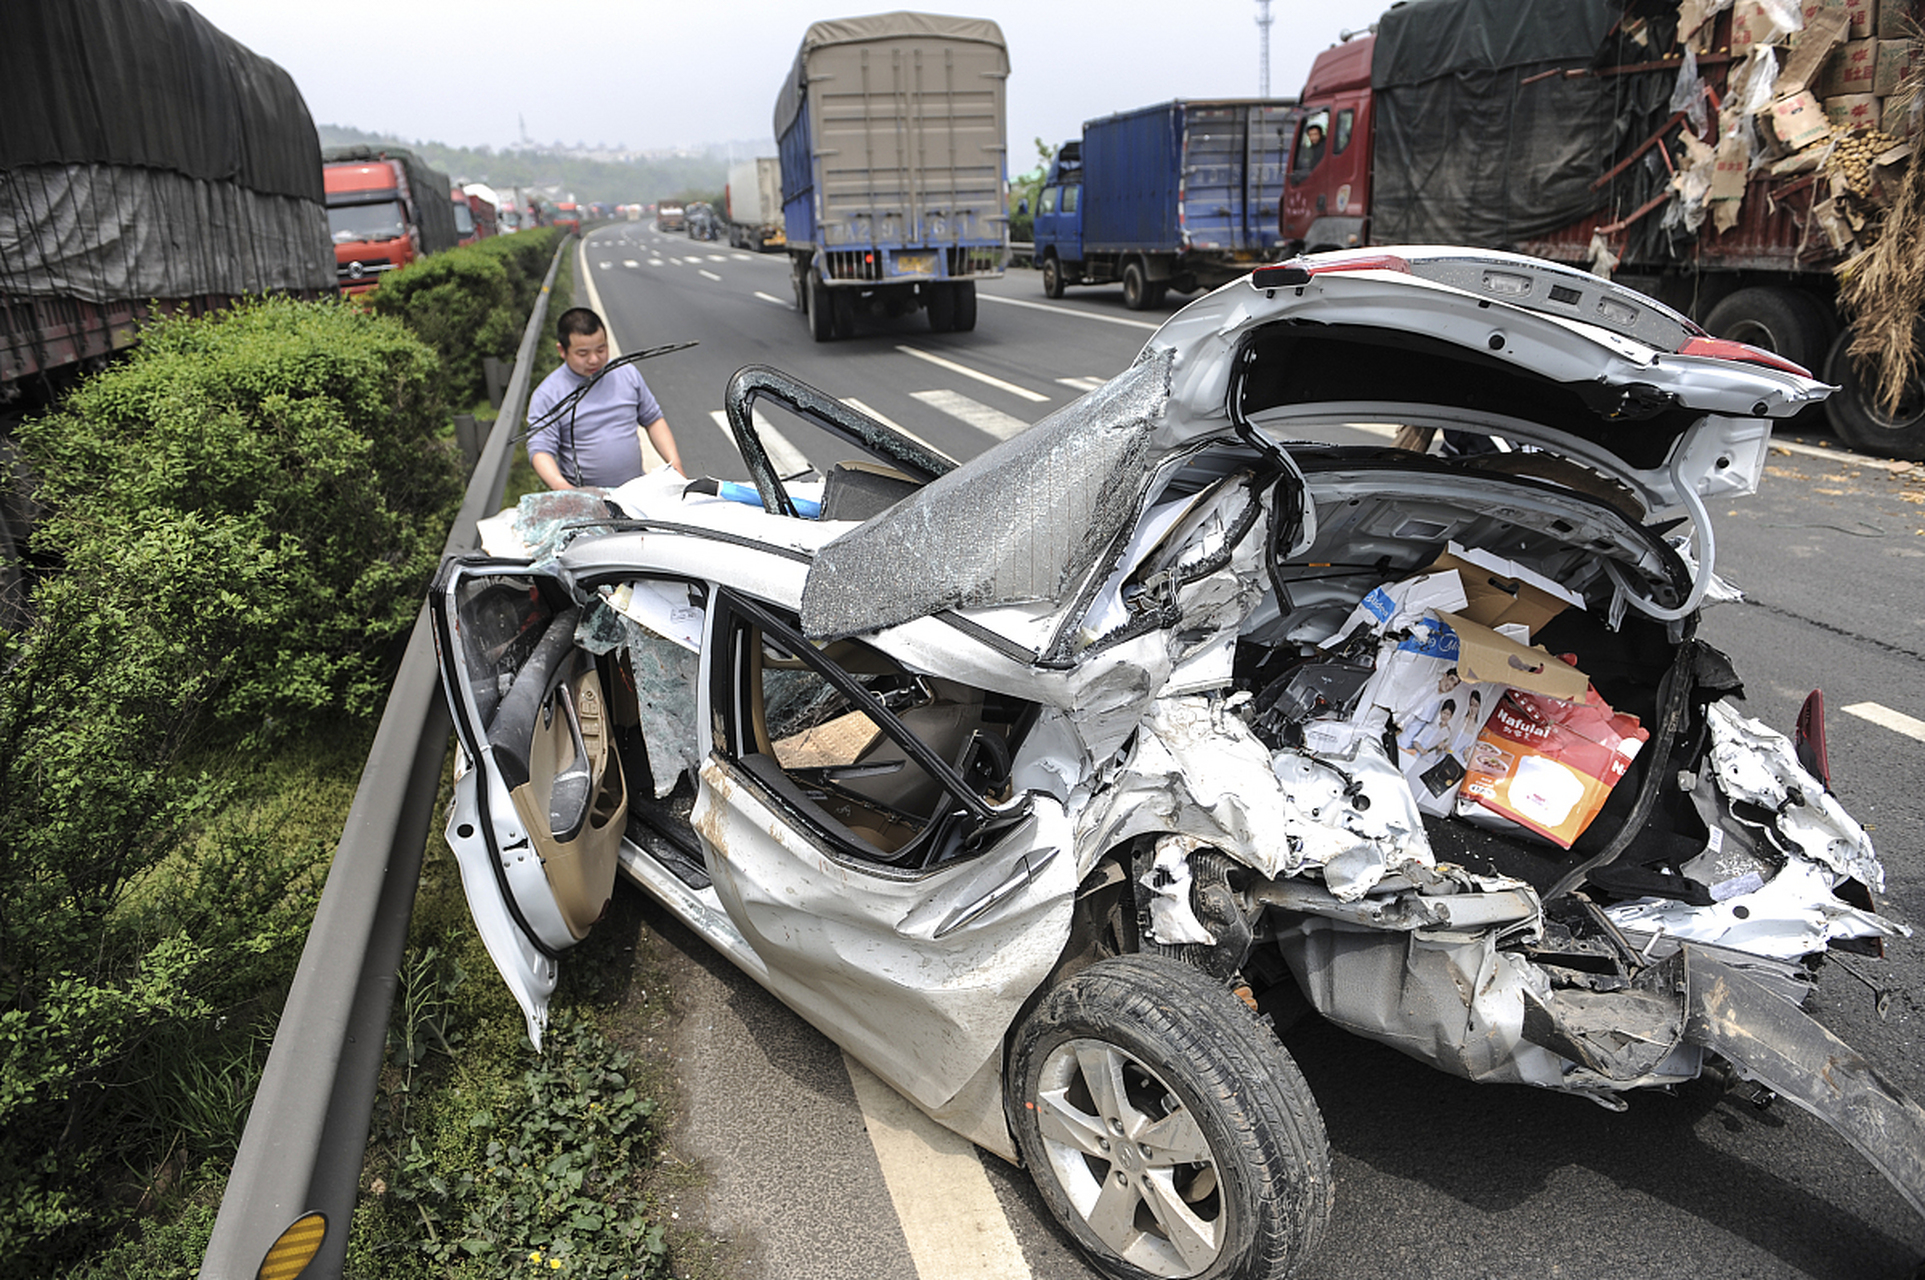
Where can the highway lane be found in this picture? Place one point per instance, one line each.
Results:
(1436, 1177)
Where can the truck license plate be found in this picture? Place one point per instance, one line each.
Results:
(916, 264)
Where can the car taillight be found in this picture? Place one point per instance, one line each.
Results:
(1809, 738)
(1726, 349)
(1369, 262)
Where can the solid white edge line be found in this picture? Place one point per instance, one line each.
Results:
(967, 372)
(954, 1225)
(1886, 718)
(1064, 311)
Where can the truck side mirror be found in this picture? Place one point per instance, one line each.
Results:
(1022, 206)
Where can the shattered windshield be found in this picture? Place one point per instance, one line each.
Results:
(1024, 522)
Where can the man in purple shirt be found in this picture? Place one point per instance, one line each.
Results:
(596, 441)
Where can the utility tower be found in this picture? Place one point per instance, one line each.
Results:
(1263, 60)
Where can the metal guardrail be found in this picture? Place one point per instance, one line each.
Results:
(307, 1131)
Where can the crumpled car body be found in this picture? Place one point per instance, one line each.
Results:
(973, 766)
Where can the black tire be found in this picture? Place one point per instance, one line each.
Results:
(842, 312)
(1198, 1069)
(1158, 292)
(1783, 321)
(941, 304)
(1860, 421)
(1054, 285)
(965, 305)
(1136, 286)
(821, 318)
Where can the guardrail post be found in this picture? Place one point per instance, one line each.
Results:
(307, 1131)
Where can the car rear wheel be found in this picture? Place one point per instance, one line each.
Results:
(1052, 277)
(1166, 1127)
(1782, 321)
(942, 308)
(965, 305)
(1858, 416)
(1136, 286)
(821, 319)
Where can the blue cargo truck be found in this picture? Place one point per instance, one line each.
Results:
(1182, 195)
(894, 199)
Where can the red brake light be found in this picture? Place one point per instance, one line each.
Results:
(1369, 262)
(1726, 349)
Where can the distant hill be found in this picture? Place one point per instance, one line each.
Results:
(638, 181)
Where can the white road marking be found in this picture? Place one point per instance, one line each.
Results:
(630, 262)
(953, 1223)
(1082, 384)
(890, 423)
(704, 271)
(967, 372)
(769, 297)
(980, 416)
(1065, 311)
(1833, 455)
(604, 265)
(788, 459)
(1885, 717)
(718, 257)
(654, 262)
(742, 257)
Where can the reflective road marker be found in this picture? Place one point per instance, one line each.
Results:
(967, 372)
(980, 416)
(1885, 717)
(951, 1219)
(787, 459)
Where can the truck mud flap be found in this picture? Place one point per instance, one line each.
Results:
(1771, 1041)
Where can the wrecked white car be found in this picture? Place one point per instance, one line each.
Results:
(1029, 781)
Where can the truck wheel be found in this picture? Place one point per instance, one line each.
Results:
(1783, 321)
(821, 318)
(1158, 292)
(1136, 286)
(1166, 1128)
(965, 305)
(1856, 414)
(1052, 277)
(942, 307)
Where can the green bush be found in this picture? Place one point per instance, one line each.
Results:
(470, 303)
(245, 514)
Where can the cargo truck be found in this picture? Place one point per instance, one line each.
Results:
(890, 133)
(1558, 128)
(752, 203)
(176, 181)
(386, 208)
(1181, 195)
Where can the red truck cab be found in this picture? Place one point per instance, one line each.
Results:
(1326, 197)
(368, 221)
(474, 217)
(568, 216)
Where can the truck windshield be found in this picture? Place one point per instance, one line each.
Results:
(350, 223)
(464, 220)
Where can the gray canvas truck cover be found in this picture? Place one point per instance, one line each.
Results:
(1474, 145)
(145, 154)
(881, 26)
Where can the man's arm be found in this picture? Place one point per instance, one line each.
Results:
(549, 470)
(663, 439)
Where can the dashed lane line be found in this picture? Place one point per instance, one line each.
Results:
(788, 459)
(718, 257)
(743, 257)
(1081, 384)
(705, 272)
(1025, 393)
(951, 1220)
(980, 416)
(654, 262)
(1885, 717)
(890, 423)
(769, 297)
(1065, 311)
(630, 262)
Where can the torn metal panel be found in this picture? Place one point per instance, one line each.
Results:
(1774, 1043)
(1026, 521)
(1793, 914)
(1757, 763)
(1172, 920)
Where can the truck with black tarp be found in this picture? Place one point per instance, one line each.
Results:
(1181, 195)
(1734, 167)
(890, 132)
(386, 207)
(146, 160)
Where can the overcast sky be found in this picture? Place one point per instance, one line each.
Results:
(667, 73)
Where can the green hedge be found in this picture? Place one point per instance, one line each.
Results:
(246, 512)
(470, 302)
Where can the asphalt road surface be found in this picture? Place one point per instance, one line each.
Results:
(812, 1169)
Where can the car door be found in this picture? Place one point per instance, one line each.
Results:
(860, 833)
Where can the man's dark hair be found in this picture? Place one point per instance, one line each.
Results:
(576, 322)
